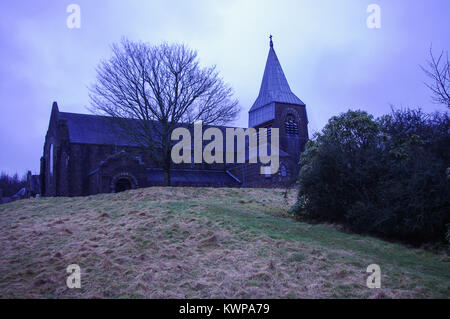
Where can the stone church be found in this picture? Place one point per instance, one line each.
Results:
(85, 154)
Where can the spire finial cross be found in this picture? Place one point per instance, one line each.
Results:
(271, 42)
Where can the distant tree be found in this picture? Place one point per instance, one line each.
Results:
(160, 87)
(438, 70)
(10, 185)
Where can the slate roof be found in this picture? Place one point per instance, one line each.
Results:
(94, 129)
(104, 130)
(274, 86)
(192, 176)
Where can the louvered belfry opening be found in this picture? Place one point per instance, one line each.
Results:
(291, 126)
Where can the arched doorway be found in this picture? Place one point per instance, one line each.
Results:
(122, 184)
(123, 181)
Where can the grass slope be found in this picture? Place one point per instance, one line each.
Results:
(198, 243)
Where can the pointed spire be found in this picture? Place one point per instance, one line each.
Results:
(274, 86)
(55, 108)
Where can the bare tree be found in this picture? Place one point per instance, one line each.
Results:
(159, 87)
(438, 70)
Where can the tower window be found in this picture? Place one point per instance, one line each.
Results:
(291, 126)
(283, 170)
(269, 134)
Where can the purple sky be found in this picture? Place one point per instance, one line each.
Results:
(332, 61)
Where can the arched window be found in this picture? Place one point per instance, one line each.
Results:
(291, 126)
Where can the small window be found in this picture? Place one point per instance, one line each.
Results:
(267, 171)
(291, 126)
(50, 162)
(283, 171)
(268, 134)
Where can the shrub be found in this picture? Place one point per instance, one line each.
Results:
(385, 176)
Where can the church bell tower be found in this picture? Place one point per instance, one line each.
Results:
(278, 107)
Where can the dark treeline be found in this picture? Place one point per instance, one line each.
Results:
(10, 185)
(387, 176)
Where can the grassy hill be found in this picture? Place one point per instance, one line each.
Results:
(199, 243)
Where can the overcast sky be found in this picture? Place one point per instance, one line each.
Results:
(331, 59)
